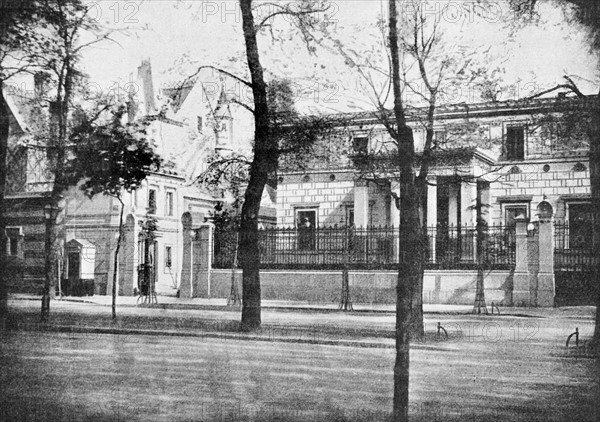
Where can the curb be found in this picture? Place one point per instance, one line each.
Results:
(239, 336)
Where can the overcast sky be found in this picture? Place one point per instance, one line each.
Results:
(209, 32)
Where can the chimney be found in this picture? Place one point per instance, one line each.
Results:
(145, 75)
(40, 84)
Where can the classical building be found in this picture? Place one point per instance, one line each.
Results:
(522, 166)
(516, 153)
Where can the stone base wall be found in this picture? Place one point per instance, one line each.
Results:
(443, 287)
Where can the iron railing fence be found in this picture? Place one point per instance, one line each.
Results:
(455, 247)
(450, 247)
(573, 248)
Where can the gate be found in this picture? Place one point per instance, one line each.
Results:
(574, 263)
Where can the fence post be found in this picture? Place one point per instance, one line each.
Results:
(521, 293)
(545, 278)
(202, 261)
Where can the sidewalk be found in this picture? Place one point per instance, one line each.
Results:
(172, 302)
(292, 322)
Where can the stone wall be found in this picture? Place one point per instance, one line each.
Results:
(451, 287)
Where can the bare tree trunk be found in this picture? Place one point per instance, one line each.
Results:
(263, 163)
(595, 188)
(4, 132)
(116, 261)
(410, 259)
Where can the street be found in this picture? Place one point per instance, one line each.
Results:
(507, 368)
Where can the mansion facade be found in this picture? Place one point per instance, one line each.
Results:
(514, 154)
(188, 122)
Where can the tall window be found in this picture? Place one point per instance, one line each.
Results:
(515, 142)
(152, 201)
(13, 240)
(168, 256)
(350, 215)
(169, 203)
(306, 221)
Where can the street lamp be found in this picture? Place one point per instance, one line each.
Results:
(51, 212)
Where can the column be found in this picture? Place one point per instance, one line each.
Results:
(468, 220)
(485, 199)
(361, 204)
(185, 286)
(545, 276)
(394, 211)
(202, 261)
(468, 196)
(521, 294)
(453, 194)
(431, 215)
(395, 216)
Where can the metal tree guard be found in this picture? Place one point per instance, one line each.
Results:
(481, 245)
(234, 296)
(345, 300)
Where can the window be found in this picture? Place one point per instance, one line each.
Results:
(152, 201)
(168, 256)
(512, 211)
(515, 143)
(360, 144)
(580, 218)
(200, 124)
(439, 137)
(306, 223)
(13, 241)
(169, 203)
(349, 215)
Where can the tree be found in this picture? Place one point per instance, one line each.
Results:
(111, 158)
(19, 46)
(64, 23)
(432, 60)
(266, 149)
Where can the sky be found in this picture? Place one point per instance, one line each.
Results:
(178, 36)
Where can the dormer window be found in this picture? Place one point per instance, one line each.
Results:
(439, 136)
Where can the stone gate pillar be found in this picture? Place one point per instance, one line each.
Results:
(127, 279)
(545, 277)
(521, 293)
(185, 286)
(202, 246)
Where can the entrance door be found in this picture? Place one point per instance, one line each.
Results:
(73, 272)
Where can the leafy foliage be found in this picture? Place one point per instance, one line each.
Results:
(148, 227)
(226, 218)
(111, 157)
